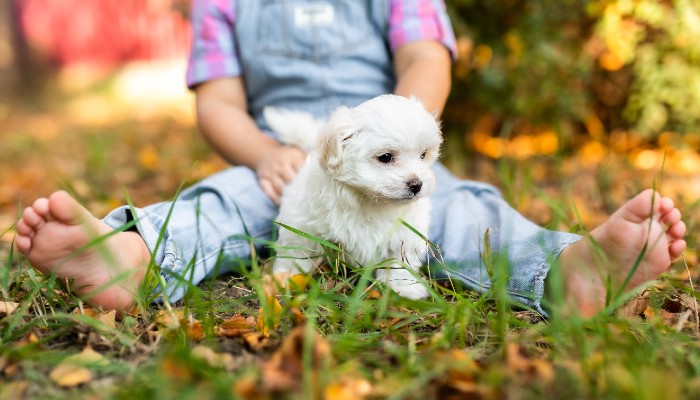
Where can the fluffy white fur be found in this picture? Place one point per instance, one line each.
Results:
(368, 170)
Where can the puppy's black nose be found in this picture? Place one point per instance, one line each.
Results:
(414, 185)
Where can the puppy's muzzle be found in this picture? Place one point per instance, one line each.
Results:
(414, 185)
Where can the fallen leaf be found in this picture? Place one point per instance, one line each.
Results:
(519, 364)
(298, 283)
(255, 340)
(7, 308)
(73, 371)
(173, 320)
(299, 317)
(168, 319)
(284, 371)
(348, 388)
(269, 316)
(634, 307)
(106, 317)
(194, 329)
(236, 326)
(459, 379)
(247, 387)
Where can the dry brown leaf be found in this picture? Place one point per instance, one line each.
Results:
(518, 363)
(172, 320)
(458, 380)
(348, 388)
(7, 308)
(299, 317)
(194, 329)
(269, 317)
(236, 326)
(106, 317)
(284, 370)
(634, 307)
(73, 371)
(648, 312)
(255, 341)
(247, 387)
(168, 319)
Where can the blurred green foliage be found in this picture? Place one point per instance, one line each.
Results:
(623, 64)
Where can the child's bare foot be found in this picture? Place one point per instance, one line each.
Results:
(54, 234)
(621, 239)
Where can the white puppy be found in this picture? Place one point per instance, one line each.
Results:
(369, 169)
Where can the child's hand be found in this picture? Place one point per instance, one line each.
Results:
(278, 168)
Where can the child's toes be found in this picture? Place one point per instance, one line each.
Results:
(41, 206)
(32, 218)
(23, 244)
(671, 218)
(676, 248)
(665, 205)
(676, 231)
(23, 229)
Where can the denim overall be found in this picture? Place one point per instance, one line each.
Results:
(315, 56)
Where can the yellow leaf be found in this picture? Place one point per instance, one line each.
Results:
(269, 316)
(106, 317)
(168, 319)
(348, 389)
(298, 283)
(73, 371)
(70, 375)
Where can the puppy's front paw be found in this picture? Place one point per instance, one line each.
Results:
(412, 290)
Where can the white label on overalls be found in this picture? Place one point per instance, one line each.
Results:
(313, 14)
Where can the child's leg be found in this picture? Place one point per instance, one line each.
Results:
(189, 239)
(54, 230)
(470, 219)
(619, 242)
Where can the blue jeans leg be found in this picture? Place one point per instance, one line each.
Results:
(463, 212)
(206, 229)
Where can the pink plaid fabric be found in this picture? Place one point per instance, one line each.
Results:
(213, 54)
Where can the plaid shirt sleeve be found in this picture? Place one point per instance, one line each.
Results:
(412, 20)
(213, 53)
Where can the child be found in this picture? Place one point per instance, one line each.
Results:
(314, 57)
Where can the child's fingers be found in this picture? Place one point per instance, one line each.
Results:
(270, 191)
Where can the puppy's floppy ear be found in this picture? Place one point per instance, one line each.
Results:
(332, 138)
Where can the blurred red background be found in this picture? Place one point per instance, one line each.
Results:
(103, 32)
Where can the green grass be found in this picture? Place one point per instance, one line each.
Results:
(458, 343)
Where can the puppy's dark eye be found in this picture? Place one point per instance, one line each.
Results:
(385, 158)
(422, 156)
